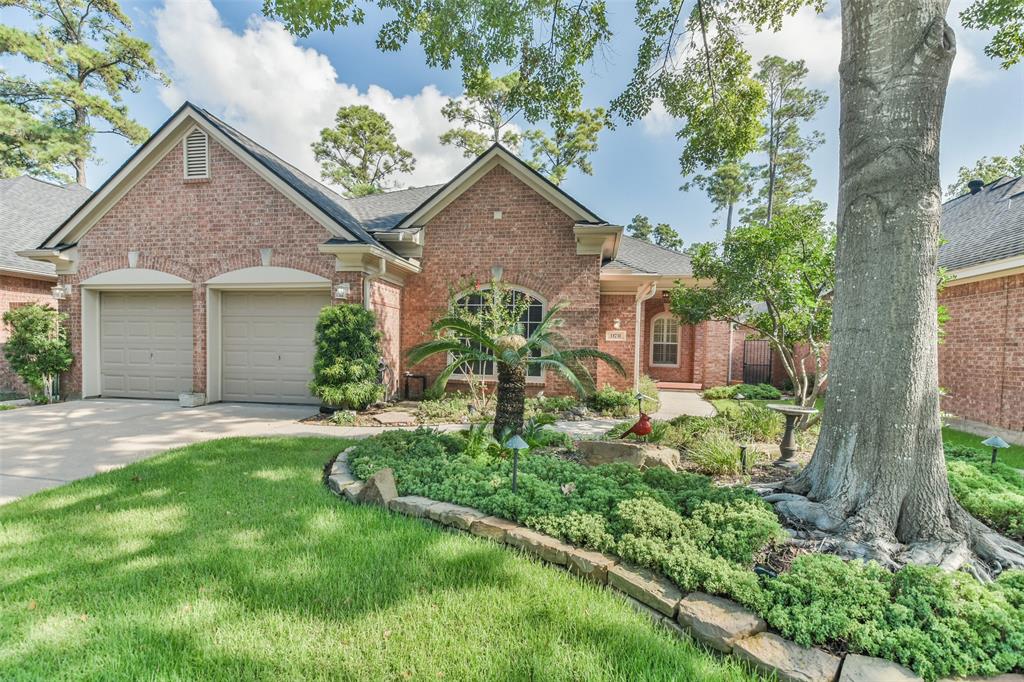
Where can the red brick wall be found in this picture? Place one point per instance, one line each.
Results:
(533, 242)
(623, 309)
(981, 359)
(385, 301)
(14, 291)
(197, 230)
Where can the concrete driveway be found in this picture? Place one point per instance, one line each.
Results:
(46, 446)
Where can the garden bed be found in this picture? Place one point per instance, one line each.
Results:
(719, 540)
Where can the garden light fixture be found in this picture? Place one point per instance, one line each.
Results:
(516, 443)
(997, 444)
(743, 458)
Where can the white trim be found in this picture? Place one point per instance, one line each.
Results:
(27, 274)
(654, 320)
(642, 297)
(990, 270)
(268, 277)
(213, 345)
(484, 164)
(136, 278)
(90, 311)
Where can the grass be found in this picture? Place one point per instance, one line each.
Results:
(229, 560)
(1013, 455)
(8, 407)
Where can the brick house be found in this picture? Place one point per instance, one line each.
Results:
(30, 209)
(201, 264)
(981, 358)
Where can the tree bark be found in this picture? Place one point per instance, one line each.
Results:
(878, 478)
(508, 413)
(81, 120)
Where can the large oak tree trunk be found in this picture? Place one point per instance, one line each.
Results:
(877, 479)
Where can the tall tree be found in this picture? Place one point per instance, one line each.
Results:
(86, 60)
(877, 478)
(661, 234)
(484, 115)
(573, 138)
(361, 151)
(726, 186)
(786, 175)
(987, 170)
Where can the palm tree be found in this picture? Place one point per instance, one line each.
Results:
(494, 336)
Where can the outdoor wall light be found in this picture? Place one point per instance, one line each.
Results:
(997, 444)
(496, 272)
(265, 255)
(342, 291)
(617, 323)
(61, 291)
(133, 259)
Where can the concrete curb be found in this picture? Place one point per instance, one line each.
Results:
(648, 592)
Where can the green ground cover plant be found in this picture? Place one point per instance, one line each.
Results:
(611, 402)
(743, 392)
(706, 537)
(1013, 455)
(230, 560)
(994, 493)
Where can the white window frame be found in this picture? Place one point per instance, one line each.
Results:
(654, 321)
(184, 155)
(493, 376)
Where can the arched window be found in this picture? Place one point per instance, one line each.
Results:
(665, 341)
(533, 313)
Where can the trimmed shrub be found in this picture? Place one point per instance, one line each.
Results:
(612, 402)
(347, 358)
(37, 347)
(743, 392)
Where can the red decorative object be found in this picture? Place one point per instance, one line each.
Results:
(641, 429)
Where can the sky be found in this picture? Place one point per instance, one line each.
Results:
(280, 90)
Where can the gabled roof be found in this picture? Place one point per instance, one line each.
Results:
(30, 209)
(641, 257)
(494, 156)
(983, 227)
(382, 212)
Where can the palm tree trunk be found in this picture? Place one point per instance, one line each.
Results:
(508, 414)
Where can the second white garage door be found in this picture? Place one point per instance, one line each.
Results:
(267, 343)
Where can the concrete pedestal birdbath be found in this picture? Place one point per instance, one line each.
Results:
(788, 445)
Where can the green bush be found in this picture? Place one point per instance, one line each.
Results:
(755, 423)
(37, 347)
(716, 453)
(992, 493)
(743, 392)
(554, 404)
(347, 356)
(612, 402)
(448, 407)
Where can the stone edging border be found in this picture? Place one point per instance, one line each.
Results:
(716, 622)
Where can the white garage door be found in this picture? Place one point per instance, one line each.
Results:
(145, 344)
(267, 342)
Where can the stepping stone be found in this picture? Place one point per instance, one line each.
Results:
(857, 668)
(394, 418)
(492, 528)
(646, 587)
(789, 661)
(718, 622)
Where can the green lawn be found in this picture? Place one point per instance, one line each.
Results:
(229, 560)
(1013, 455)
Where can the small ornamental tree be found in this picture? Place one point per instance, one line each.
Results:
(775, 281)
(494, 336)
(37, 348)
(347, 358)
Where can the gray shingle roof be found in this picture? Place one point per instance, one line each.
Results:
(30, 209)
(646, 258)
(379, 212)
(983, 227)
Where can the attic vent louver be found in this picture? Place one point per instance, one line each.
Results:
(197, 155)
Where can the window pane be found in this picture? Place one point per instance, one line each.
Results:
(531, 318)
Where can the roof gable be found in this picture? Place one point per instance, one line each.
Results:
(29, 210)
(497, 155)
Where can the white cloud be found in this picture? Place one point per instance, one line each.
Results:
(659, 122)
(281, 94)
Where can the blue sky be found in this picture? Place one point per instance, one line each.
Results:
(228, 58)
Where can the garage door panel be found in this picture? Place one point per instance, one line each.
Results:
(145, 344)
(267, 345)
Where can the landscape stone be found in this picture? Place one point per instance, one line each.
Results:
(646, 587)
(718, 622)
(492, 528)
(590, 565)
(547, 548)
(857, 668)
(454, 515)
(379, 488)
(338, 484)
(411, 505)
(640, 455)
(788, 660)
(394, 418)
(351, 491)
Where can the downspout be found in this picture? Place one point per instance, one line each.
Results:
(641, 297)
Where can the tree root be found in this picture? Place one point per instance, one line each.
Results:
(980, 551)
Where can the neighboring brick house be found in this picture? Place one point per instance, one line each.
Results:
(981, 358)
(200, 265)
(30, 210)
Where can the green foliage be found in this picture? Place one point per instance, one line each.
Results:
(580, 528)
(993, 493)
(743, 392)
(37, 347)
(347, 355)
(360, 151)
(448, 408)
(1007, 18)
(610, 401)
(987, 170)
(725, 186)
(755, 423)
(553, 404)
(81, 60)
(716, 453)
(661, 234)
(572, 140)
(343, 418)
(937, 623)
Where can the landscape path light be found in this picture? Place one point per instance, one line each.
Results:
(516, 443)
(997, 444)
